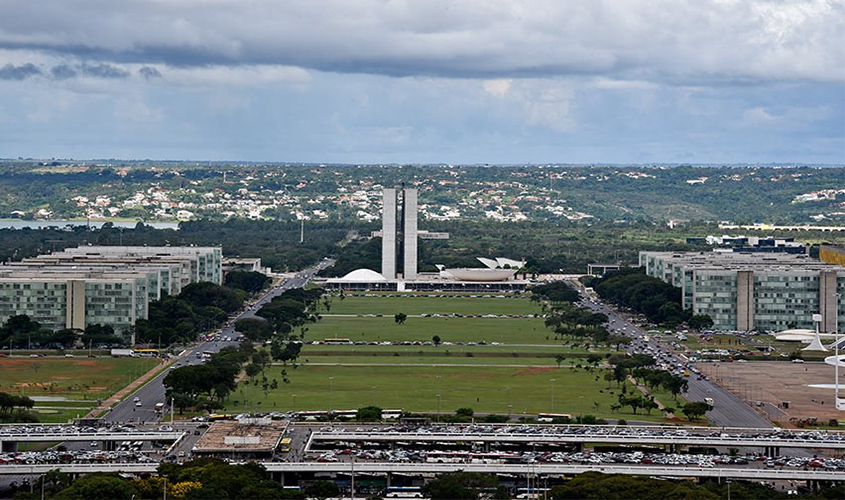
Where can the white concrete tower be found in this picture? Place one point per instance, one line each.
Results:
(409, 234)
(388, 234)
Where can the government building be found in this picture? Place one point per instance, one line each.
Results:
(108, 285)
(754, 291)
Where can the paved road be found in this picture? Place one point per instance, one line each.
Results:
(728, 410)
(153, 392)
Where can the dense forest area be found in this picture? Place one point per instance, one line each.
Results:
(548, 247)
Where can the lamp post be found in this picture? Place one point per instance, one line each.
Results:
(553, 395)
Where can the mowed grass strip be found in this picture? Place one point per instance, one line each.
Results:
(387, 359)
(502, 330)
(414, 304)
(485, 389)
(75, 379)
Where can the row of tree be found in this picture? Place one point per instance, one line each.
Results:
(21, 331)
(658, 301)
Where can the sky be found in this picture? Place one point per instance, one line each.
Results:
(425, 81)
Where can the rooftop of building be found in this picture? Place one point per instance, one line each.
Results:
(743, 261)
(259, 435)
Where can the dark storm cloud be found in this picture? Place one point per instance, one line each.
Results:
(663, 40)
(149, 72)
(103, 71)
(63, 72)
(21, 72)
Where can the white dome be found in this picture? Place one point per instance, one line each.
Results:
(363, 275)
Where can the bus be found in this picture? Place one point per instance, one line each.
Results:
(403, 492)
(531, 492)
(312, 415)
(391, 414)
(217, 416)
(345, 414)
(147, 353)
(159, 408)
(284, 445)
(550, 417)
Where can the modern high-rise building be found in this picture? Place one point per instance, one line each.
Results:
(389, 233)
(409, 236)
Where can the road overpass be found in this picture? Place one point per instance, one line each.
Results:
(9, 440)
(348, 468)
(672, 440)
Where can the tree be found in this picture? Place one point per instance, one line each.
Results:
(700, 322)
(695, 410)
(400, 318)
(322, 489)
(369, 414)
(464, 412)
(559, 359)
(436, 340)
(99, 486)
(464, 486)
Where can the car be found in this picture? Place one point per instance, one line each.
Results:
(138, 403)
(798, 360)
(136, 399)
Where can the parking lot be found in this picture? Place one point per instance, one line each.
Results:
(766, 385)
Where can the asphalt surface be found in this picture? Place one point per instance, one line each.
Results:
(728, 410)
(153, 391)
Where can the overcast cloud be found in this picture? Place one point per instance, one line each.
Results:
(526, 81)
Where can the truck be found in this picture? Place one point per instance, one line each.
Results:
(122, 353)
(159, 408)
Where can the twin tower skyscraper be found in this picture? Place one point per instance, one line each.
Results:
(393, 224)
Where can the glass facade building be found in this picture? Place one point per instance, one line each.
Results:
(102, 285)
(743, 292)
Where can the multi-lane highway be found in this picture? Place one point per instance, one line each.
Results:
(728, 410)
(153, 391)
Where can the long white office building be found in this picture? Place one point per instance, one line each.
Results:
(112, 286)
(744, 292)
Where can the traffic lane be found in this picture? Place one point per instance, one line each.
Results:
(153, 391)
(728, 409)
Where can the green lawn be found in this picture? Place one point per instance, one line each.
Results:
(502, 330)
(389, 359)
(74, 383)
(485, 389)
(413, 304)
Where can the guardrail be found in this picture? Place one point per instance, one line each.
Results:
(419, 468)
(94, 436)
